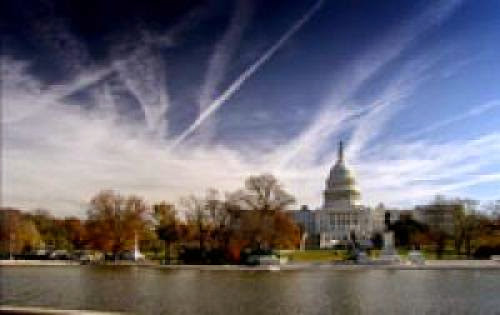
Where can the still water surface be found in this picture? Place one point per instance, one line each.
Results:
(160, 291)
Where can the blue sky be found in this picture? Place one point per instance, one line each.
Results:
(163, 100)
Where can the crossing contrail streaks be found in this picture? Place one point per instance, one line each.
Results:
(235, 86)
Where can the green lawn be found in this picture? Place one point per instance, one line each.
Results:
(315, 255)
(325, 255)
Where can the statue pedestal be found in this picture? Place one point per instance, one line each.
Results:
(389, 253)
(362, 258)
(415, 257)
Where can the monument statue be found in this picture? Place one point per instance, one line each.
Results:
(389, 253)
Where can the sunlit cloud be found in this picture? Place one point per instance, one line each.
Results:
(144, 74)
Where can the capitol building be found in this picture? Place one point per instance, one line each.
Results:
(341, 218)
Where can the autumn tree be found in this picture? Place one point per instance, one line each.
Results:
(51, 229)
(287, 234)
(207, 220)
(262, 193)
(113, 221)
(75, 232)
(27, 236)
(261, 222)
(18, 233)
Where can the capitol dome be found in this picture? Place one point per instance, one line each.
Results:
(341, 187)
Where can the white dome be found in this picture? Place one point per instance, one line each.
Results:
(341, 187)
(340, 175)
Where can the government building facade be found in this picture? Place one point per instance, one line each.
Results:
(341, 218)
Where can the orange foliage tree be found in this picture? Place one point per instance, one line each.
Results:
(258, 216)
(113, 221)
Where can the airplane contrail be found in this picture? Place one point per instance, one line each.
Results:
(84, 81)
(224, 50)
(475, 111)
(235, 86)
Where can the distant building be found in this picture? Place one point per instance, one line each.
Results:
(437, 216)
(393, 215)
(305, 218)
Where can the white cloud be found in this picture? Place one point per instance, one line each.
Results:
(23, 95)
(57, 156)
(144, 73)
(60, 156)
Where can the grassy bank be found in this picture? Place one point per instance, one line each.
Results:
(325, 255)
(318, 255)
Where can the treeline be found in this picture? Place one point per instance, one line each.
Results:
(202, 229)
(466, 231)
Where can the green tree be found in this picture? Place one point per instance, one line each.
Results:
(466, 225)
(459, 218)
(471, 230)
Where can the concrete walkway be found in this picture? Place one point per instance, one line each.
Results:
(8, 309)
